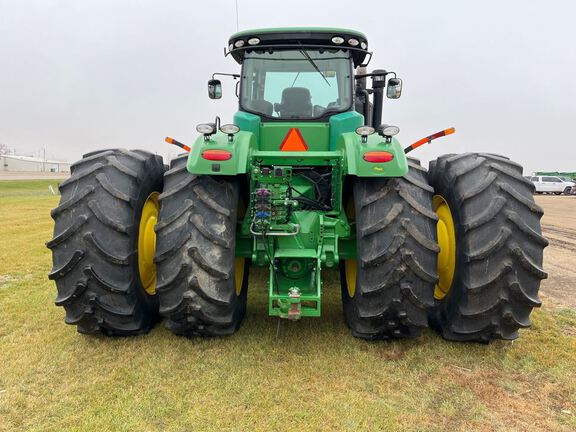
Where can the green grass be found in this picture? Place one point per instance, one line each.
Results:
(22, 188)
(314, 376)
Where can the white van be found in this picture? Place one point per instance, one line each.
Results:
(551, 184)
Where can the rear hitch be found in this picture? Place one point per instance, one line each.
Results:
(290, 308)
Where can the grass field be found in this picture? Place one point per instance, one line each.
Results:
(314, 376)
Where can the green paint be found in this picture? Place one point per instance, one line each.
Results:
(308, 302)
(342, 123)
(350, 144)
(240, 147)
(248, 122)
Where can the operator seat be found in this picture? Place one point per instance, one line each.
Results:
(261, 106)
(296, 103)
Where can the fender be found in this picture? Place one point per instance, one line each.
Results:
(239, 147)
(353, 150)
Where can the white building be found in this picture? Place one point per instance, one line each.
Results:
(31, 164)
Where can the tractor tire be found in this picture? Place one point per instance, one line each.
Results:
(95, 246)
(394, 275)
(496, 250)
(201, 284)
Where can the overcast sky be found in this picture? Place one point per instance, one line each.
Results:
(81, 75)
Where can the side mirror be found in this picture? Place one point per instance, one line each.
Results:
(394, 89)
(214, 89)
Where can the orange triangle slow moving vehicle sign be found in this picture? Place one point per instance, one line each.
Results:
(293, 141)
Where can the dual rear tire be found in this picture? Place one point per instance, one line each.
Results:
(202, 285)
(386, 290)
(115, 275)
(459, 249)
(498, 251)
(95, 249)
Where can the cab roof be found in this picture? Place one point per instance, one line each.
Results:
(299, 37)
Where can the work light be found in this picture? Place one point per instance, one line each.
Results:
(229, 129)
(206, 128)
(364, 131)
(389, 131)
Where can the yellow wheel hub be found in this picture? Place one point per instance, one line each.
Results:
(147, 243)
(351, 270)
(351, 266)
(447, 242)
(239, 274)
(240, 263)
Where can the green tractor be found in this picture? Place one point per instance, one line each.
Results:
(306, 178)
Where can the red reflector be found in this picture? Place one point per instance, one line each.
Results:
(293, 141)
(378, 156)
(216, 155)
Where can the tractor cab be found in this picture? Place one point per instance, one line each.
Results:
(304, 75)
(297, 74)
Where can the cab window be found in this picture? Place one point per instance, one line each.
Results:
(296, 84)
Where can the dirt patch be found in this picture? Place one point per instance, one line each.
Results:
(559, 227)
(504, 401)
(568, 330)
(5, 280)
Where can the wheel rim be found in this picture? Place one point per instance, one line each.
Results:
(351, 266)
(447, 243)
(239, 262)
(351, 271)
(147, 243)
(239, 267)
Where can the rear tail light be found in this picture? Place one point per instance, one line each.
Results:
(378, 156)
(216, 155)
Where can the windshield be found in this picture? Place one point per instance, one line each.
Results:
(296, 84)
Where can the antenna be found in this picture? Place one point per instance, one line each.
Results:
(237, 25)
